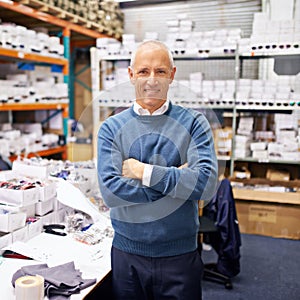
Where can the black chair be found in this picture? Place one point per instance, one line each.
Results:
(219, 228)
(207, 226)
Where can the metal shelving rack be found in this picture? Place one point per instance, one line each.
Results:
(16, 55)
(83, 33)
(38, 11)
(235, 108)
(101, 110)
(287, 108)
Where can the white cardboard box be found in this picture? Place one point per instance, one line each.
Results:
(44, 207)
(260, 154)
(48, 191)
(60, 215)
(29, 210)
(31, 170)
(5, 240)
(20, 235)
(57, 205)
(48, 219)
(12, 221)
(7, 175)
(34, 228)
(19, 197)
(258, 146)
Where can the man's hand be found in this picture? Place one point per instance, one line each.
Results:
(133, 168)
(183, 166)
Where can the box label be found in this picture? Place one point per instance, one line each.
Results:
(260, 213)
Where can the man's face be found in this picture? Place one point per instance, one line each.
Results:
(151, 76)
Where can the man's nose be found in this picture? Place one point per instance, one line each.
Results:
(151, 79)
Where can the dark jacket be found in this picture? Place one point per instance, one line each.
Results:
(227, 241)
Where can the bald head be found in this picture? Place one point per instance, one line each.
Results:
(151, 45)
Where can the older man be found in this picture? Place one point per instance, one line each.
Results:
(155, 161)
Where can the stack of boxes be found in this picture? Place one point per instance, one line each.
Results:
(223, 141)
(18, 37)
(32, 84)
(182, 38)
(23, 138)
(45, 91)
(243, 137)
(27, 203)
(252, 92)
(272, 36)
(196, 91)
(287, 138)
(28, 195)
(281, 143)
(111, 17)
(128, 44)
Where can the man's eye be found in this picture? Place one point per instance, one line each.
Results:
(142, 72)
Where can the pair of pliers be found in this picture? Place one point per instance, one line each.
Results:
(51, 229)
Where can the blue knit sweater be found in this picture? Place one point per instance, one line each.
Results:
(162, 219)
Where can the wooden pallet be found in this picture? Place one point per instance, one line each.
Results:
(64, 15)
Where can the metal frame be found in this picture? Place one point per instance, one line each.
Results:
(96, 73)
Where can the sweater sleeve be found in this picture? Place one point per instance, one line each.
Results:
(199, 179)
(117, 190)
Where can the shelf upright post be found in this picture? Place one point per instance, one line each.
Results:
(95, 71)
(236, 75)
(66, 42)
(71, 84)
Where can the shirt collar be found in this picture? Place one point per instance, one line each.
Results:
(139, 110)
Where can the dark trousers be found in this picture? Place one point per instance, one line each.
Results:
(137, 277)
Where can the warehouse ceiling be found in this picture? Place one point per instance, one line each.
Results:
(138, 3)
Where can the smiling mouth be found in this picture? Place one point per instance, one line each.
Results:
(151, 90)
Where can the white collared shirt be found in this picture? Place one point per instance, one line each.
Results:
(145, 112)
(139, 110)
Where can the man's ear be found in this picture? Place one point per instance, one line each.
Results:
(172, 74)
(131, 75)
